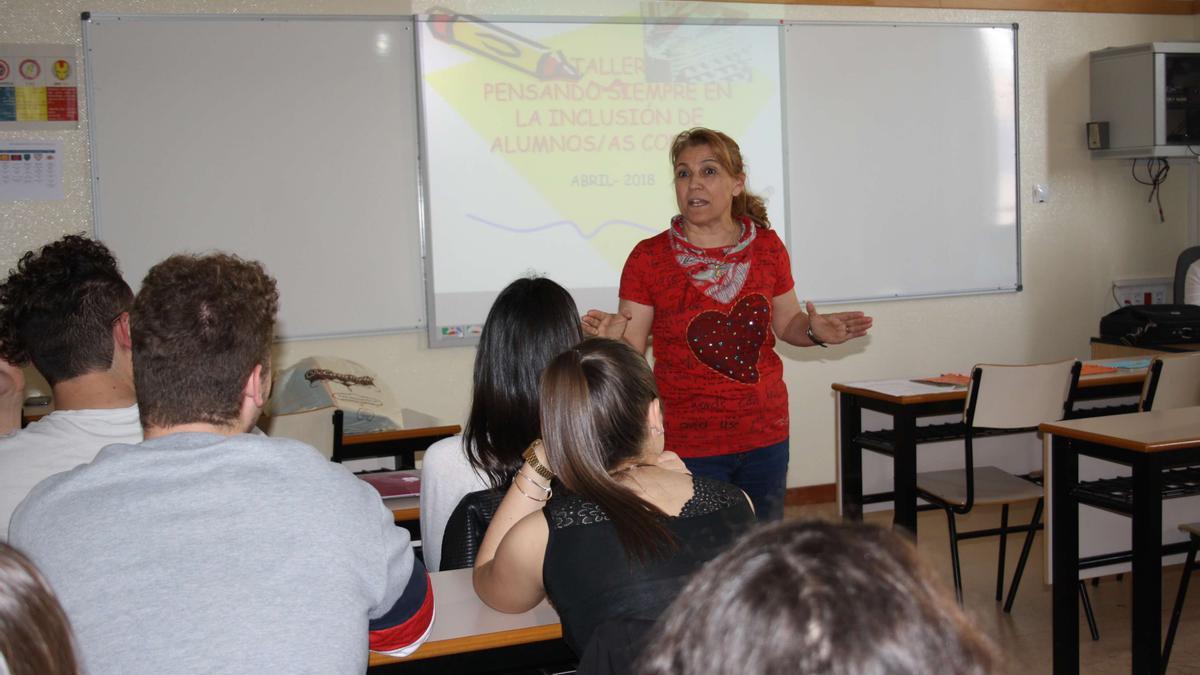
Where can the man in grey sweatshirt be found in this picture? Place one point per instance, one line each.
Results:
(208, 549)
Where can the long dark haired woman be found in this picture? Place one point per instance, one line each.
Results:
(531, 322)
(617, 533)
(35, 637)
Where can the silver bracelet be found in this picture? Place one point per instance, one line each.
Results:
(543, 488)
(527, 495)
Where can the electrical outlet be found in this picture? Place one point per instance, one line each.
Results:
(1144, 291)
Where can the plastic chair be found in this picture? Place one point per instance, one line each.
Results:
(1185, 260)
(1172, 382)
(1000, 397)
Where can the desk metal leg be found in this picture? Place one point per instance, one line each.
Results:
(904, 471)
(1064, 463)
(1147, 565)
(850, 415)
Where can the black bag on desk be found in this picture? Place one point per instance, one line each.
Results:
(1142, 325)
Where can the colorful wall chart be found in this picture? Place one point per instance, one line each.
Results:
(38, 87)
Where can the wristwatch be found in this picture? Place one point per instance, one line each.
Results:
(530, 456)
(814, 339)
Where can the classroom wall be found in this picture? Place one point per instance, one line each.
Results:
(1097, 225)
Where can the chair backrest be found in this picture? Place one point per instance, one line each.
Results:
(310, 427)
(1172, 382)
(466, 527)
(1015, 397)
(1185, 260)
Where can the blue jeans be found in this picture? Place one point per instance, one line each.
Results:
(761, 473)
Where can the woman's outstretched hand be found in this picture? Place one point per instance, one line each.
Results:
(838, 327)
(602, 324)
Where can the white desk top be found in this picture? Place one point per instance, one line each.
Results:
(462, 623)
(396, 503)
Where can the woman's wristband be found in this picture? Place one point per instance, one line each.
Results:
(811, 336)
(530, 457)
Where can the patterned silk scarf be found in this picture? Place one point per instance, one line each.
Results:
(720, 276)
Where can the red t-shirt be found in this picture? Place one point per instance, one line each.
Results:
(719, 378)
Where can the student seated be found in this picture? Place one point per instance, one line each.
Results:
(616, 534)
(206, 548)
(809, 598)
(66, 309)
(532, 321)
(35, 637)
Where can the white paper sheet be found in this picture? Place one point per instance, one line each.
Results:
(31, 170)
(901, 387)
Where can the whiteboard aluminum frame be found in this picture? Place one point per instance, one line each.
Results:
(408, 20)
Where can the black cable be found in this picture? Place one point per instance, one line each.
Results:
(1133, 172)
(1160, 177)
(1157, 170)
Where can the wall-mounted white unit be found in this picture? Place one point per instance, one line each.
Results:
(1149, 97)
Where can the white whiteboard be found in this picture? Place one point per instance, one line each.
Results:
(902, 160)
(290, 140)
(547, 145)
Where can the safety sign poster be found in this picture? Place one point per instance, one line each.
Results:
(39, 87)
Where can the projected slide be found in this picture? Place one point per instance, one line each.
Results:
(545, 144)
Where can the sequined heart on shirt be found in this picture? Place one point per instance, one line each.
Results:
(730, 343)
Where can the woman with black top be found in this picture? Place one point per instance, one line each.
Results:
(595, 519)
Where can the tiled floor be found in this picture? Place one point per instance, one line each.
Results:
(1024, 636)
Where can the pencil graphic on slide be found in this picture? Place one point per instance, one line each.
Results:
(500, 45)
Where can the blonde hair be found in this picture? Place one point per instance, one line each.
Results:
(729, 156)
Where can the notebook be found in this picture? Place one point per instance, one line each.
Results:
(394, 483)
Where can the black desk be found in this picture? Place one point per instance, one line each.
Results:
(403, 444)
(1148, 443)
(853, 398)
(1110, 348)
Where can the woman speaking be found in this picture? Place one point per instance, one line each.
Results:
(715, 290)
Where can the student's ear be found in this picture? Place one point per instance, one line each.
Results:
(654, 418)
(256, 390)
(121, 334)
(268, 380)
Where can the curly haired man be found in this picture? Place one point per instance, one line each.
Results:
(65, 308)
(207, 548)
